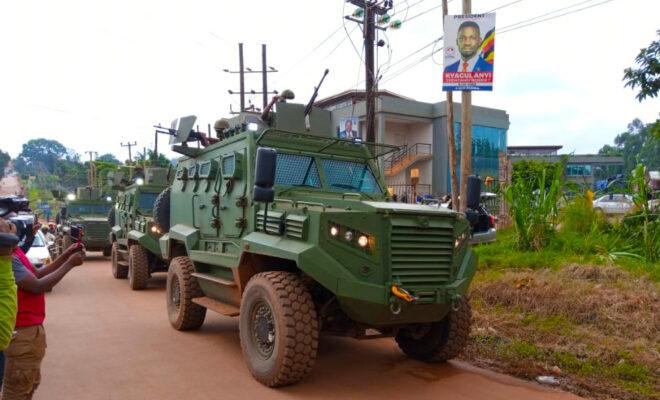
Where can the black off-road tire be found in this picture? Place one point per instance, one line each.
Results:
(138, 267)
(112, 217)
(182, 288)
(118, 271)
(293, 325)
(162, 210)
(442, 340)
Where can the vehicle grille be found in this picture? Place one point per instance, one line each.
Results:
(421, 257)
(295, 226)
(272, 224)
(96, 229)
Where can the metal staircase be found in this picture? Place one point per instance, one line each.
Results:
(407, 156)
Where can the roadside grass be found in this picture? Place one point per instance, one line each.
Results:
(594, 327)
(565, 248)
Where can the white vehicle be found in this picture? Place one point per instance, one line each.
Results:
(614, 203)
(38, 253)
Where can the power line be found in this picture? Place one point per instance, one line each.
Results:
(512, 27)
(504, 29)
(422, 13)
(333, 33)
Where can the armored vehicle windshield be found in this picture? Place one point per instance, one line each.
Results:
(340, 175)
(89, 209)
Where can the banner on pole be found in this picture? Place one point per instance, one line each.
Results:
(469, 52)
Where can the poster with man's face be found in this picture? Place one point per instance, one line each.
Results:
(469, 52)
(349, 129)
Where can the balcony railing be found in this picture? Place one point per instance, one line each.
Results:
(405, 157)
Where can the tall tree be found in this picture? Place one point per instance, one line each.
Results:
(4, 160)
(637, 145)
(40, 155)
(646, 76)
(109, 158)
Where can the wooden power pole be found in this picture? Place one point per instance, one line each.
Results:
(466, 132)
(371, 9)
(243, 70)
(129, 145)
(451, 139)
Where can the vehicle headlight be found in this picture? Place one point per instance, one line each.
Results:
(348, 235)
(364, 241)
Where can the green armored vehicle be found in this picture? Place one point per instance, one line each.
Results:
(134, 234)
(87, 209)
(293, 231)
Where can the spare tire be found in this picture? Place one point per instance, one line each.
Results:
(111, 217)
(162, 210)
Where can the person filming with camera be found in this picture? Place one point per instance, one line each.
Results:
(24, 354)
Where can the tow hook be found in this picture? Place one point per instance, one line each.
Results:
(454, 302)
(403, 294)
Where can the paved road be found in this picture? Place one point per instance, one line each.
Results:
(108, 342)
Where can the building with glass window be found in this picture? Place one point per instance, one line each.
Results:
(583, 169)
(421, 166)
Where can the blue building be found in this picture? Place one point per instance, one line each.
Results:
(420, 129)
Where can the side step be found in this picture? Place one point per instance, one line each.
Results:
(222, 308)
(213, 278)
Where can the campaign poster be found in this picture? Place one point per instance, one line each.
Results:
(469, 52)
(349, 129)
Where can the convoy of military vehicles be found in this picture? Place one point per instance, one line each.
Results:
(278, 222)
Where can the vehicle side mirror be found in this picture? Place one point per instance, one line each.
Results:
(264, 176)
(473, 191)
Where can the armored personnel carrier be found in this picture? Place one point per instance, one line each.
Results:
(86, 209)
(293, 231)
(133, 233)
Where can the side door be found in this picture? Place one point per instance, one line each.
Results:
(232, 190)
(205, 198)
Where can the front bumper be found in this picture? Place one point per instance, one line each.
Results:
(393, 311)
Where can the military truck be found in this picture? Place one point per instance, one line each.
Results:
(133, 233)
(292, 230)
(87, 209)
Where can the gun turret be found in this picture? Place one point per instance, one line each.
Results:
(308, 109)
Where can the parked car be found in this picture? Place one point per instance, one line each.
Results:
(38, 253)
(614, 203)
(481, 220)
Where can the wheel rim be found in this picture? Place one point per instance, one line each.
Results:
(262, 327)
(175, 294)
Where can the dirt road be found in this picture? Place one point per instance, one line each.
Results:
(10, 185)
(108, 342)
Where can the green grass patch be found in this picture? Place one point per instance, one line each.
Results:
(629, 376)
(565, 248)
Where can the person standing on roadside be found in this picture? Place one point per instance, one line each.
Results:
(23, 357)
(8, 242)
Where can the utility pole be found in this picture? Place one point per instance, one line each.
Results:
(371, 9)
(243, 70)
(455, 202)
(129, 145)
(90, 172)
(155, 149)
(466, 131)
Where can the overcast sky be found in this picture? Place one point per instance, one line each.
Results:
(94, 73)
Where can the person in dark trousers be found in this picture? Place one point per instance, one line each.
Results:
(23, 357)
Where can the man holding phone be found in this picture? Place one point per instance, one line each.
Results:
(22, 373)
